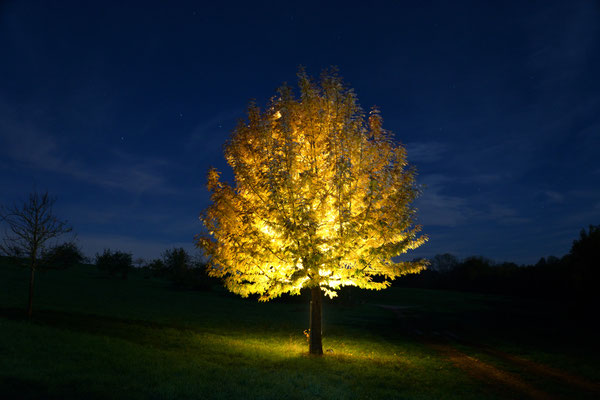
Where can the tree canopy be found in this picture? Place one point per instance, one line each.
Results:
(322, 197)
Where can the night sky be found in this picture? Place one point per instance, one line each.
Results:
(119, 110)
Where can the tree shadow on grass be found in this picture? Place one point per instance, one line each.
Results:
(146, 333)
(21, 389)
(24, 389)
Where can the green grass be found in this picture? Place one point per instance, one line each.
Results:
(98, 338)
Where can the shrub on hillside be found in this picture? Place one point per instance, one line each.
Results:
(62, 256)
(156, 268)
(185, 271)
(114, 263)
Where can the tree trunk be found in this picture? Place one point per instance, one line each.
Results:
(316, 318)
(30, 306)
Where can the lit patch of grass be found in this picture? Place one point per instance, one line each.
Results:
(168, 363)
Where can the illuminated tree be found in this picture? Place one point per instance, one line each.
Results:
(322, 199)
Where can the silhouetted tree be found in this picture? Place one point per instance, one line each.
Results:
(28, 228)
(184, 270)
(550, 260)
(584, 263)
(443, 262)
(178, 263)
(139, 262)
(586, 249)
(322, 199)
(114, 263)
(62, 256)
(541, 263)
(157, 267)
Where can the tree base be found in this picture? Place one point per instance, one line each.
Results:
(316, 318)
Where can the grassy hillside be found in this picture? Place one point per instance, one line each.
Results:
(99, 338)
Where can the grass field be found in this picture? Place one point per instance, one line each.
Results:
(98, 338)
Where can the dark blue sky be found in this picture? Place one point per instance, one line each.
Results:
(119, 110)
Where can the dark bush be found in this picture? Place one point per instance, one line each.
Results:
(62, 256)
(156, 268)
(114, 263)
(184, 271)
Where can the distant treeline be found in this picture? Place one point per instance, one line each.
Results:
(175, 265)
(573, 278)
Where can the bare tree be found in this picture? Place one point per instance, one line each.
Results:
(28, 227)
(140, 262)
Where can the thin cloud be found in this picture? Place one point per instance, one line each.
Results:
(554, 197)
(504, 215)
(24, 143)
(425, 152)
(437, 208)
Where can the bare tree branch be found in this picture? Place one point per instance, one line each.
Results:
(27, 229)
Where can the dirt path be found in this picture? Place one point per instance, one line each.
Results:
(540, 369)
(505, 383)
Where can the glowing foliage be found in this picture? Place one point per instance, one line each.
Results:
(322, 197)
